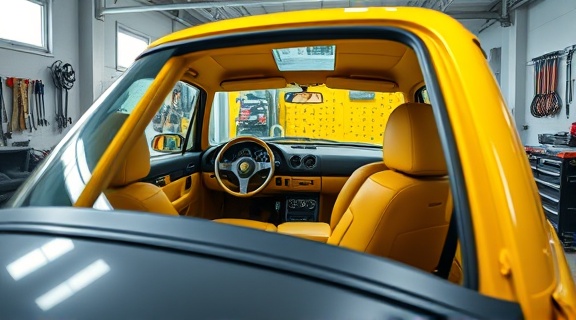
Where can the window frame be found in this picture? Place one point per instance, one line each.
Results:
(47, 34)
(131, 32)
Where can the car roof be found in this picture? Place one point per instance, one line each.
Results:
(318, 262)
(426, 18)
(361, 62)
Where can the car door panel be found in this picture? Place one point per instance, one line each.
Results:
(175, 166)
(178, 176)
(184, 192)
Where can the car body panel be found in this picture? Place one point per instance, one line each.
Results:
(203, 269)
(512, 240)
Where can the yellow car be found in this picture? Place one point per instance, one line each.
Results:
(384, 153)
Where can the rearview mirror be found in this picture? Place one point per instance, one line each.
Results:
(303, 97)
(167, 142)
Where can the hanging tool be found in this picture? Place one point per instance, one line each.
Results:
(21, 105)
(30, 94)
(38, 102)
(569, 83)
(13, 124)
(538, 84)
(64, 77)
(546, 100)
(3, 116)
(43, 109)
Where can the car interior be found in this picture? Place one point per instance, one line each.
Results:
(392, 200)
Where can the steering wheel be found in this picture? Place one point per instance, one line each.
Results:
(244, 167)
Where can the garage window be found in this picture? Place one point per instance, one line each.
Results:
(25, 25)
(129, 44)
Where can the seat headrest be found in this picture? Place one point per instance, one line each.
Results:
(411, 141)
(135, 166)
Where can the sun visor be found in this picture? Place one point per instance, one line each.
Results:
(254, 84)
(375, 85)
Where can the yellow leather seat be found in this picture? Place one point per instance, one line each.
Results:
(351, 187)
(399, 212)
(126, 193)
(264, 226)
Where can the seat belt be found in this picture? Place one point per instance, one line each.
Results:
(449, 249)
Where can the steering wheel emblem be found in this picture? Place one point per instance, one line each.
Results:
(244, 167)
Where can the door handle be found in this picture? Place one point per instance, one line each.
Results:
(161, 181)
(190, 166)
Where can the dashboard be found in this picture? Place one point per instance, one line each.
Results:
(299, 159)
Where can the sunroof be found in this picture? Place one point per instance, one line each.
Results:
(317, 58)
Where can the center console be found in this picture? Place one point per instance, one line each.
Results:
(301, 208)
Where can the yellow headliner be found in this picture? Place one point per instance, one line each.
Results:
(361, 59)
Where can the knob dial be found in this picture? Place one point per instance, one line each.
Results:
(302, 203)
(291, 203)
(311, 204)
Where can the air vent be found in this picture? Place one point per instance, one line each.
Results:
(295, 161)
(309, 162)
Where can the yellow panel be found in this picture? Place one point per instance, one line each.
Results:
(337, 118)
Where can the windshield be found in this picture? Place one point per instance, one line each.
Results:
(319, 115)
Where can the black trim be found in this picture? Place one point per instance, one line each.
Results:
(192, 120)
(176, 165)
(456, 176)
(202, 98)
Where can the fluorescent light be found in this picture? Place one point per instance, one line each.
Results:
(75, 283)
(56, 248)
(27, 264)
(85, 277)
(54, 296)
(38, 258)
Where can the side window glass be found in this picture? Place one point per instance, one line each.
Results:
(422, 95)
(169, 127)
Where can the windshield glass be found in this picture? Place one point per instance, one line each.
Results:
(319, 115)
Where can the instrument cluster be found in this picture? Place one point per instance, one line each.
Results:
(253, 151)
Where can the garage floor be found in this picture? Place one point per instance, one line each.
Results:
(571, 257)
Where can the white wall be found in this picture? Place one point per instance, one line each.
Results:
(33, 66)
(152, 24)
(539, 28)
